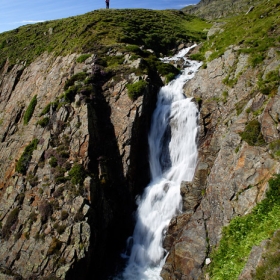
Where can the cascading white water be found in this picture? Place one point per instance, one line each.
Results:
(173, 155)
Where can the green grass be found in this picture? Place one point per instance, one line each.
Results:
(269, 269)
(136, 89)
(30, 110)
(252, 134)
(23, 162)
(254, 33)
(98, 31)
(244, 232)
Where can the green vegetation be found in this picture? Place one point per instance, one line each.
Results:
(275, 147)
(24, 160)
(77, 174)
(54, 246)
(137, 89)
(30, 110)
(270, 84)
(244, 232)
(43, 122)
(269, 269)
(98, 30)
(83, 57)
(252, 134)
(254, 33)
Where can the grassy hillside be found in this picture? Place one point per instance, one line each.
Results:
(254, 33)
(158, 30)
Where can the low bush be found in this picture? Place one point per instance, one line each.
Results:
(137, 89)
(24, 160)
(54, 246)
(43, 122)
(77, 77)
(30, 110)
(77, 174)
(252, 134)
(275, 147)
(82, 58)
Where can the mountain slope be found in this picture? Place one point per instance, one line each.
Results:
(76, 101)
(214, 9)
(227, 229)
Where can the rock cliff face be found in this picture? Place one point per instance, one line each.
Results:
(231, 175)
(213, 9)
(69, 166)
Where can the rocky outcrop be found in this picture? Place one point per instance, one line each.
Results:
(231, 175)
(214, 9)
(68, 166)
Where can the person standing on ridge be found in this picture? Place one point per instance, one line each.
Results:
(107, 4)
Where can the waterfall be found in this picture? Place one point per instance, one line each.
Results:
(173, 156)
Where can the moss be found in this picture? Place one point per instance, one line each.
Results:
(83, 57)
(77, 77)
(275, 148)
(77, 174)
(53, 161)
(252, 134)
(30, 110)
(137, 89)
(23, 162)
(43, 122)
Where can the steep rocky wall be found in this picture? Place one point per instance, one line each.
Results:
(231, 175)
(52, 222)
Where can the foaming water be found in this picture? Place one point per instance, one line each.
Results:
(173, 156)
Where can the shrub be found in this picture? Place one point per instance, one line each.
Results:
(24, 160)
(77, 174)
(137, 89)
(275, 147)
(11, 220)
(30, 110)
(43, 122)
(53, 161)
(252, 134)
(83, 57)
(54, 246)
(77, 77)
(32, 179)
(45, 110)
(64, 215)
(60, 229)
(69, 94)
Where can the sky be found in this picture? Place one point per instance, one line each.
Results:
(15, 13)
